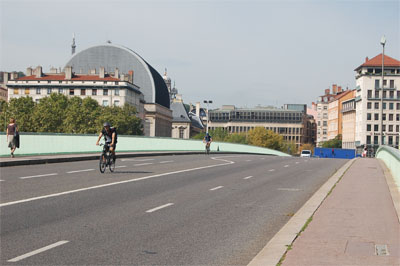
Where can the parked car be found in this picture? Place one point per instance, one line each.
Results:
(305, 153)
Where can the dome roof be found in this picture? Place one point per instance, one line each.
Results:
(111, 56)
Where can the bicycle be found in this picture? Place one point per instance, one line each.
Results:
(106, 159)
(207, 148)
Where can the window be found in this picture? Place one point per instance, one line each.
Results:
(83, 91)
(391, 94)
(384, 106)
(181, 132)
(48, 90)
(105, 102)
(116, 103)
(26, 90)
(384, 117)
(16, 91)
(94, 91)
(368, 139)
(369, 105)
(369, 94)
(325, 123)
(60, 90)
(376, 116)
(398, 94)
(105, 92)
(398, 106)
(377, 84)
(71, 91)
(390, 117)
(376, 128)
(37, 90)
(384, 82)
(391, 105)
(397, 117)
(384, 94)
(376, 140)
(390, 128)
(325, 107)
(383, 127)
(390, 140)
(116, 92)
(377, 94)
(324, 132)
(397, 128)
(368, 127)
(319, 123)
(376, 106)
(391, 84)
(368, 116)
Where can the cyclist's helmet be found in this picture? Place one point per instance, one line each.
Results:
(106, 124)
(207, 135)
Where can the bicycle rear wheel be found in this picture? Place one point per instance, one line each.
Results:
(102, 163)
(112, 164)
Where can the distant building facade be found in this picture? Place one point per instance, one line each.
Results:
(348, 110)
(106, 89)
(322, 117)
(369, 93)
(291, 124)
(335, 112)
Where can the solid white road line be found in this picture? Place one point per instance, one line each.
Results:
(227, 162)
(78, 171)
(287, 165)
(160, 207)
(40, 250)
(248, 160)
(290, 189)
(167, 162)
(141, 164)
(32, 176)
(272, 170)
(297, 162)
(1, 180)
(217, 188)
(137, 160)
(121, 166)
(247, 177)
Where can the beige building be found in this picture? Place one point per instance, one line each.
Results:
(348, 125)
(335, 112)
(290, 124)
(322, 116)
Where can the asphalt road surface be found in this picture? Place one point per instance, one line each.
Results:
(167, 210)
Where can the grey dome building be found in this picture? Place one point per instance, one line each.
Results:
(111, 56)
(158, 116)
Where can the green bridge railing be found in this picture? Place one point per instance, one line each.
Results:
(391, 157)
(57, 143)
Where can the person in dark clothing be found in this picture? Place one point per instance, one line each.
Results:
(110, 137)
(12, 131)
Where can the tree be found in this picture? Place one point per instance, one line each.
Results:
(21, 110)
(333, 143)
(236, 138)
(307, 146)
(50, 113)
(289, 147)
(124, 119)
(257, 137)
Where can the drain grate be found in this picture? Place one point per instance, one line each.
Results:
(381, 250)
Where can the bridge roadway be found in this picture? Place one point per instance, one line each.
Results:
(167, 210)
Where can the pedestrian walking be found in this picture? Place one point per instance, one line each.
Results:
(12, 135)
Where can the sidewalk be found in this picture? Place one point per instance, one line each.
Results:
(355, 220)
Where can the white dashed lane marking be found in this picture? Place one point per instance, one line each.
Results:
(33, 176)
(141, 164)
(297, 162)
(247, 177)
(216, 188)
(286, 165)
(40, 250)
(78, 171)
(137, 160)
(122, 166)
(272, 170)
(167, 162)
(159, 207)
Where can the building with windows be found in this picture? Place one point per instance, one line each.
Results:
(335, 112)
(106, 88)
(292, 124)
(322, 115)
(348, 125)
(377, 104)
(158, 116)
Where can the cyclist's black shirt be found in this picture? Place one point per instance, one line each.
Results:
(207, 139)
(108, 135)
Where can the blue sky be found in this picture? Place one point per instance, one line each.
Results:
(232, 52)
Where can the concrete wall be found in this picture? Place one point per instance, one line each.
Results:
(36, 144)
(391, 157)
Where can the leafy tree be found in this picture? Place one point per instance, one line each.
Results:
(50, 113)
(21, 110)
(124, 119)
(3, 115)
(333, 143)
(240, 138)
(257, 137)
(307, 146)
(289, 147)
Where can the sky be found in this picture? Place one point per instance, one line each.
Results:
(242, 53)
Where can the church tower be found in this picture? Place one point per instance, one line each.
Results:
(73, 46)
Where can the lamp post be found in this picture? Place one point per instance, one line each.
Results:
(383, 42)
(207, 102)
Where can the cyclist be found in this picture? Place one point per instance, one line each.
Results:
(110, 137)
(207, 140)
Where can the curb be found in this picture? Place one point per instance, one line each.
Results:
(276, 248)
(62, 159)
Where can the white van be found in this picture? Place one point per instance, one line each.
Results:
(305, 153)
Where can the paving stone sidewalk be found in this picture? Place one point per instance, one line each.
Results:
(358, 215)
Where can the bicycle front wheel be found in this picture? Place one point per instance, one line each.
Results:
(112, 165)
(102, 164)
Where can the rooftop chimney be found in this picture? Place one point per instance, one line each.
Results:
(334, 89)
(198, 109)
(327, 91)
(38, 72)
(366, 59)
(102, 72)
(68, 72)
(29, 71)
(5, 77)
(53, 70)
(130, 79)
(116, 73)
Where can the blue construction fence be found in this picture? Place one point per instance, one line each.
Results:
(334, 153)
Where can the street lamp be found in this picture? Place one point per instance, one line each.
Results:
(207, 102)
(383, 42)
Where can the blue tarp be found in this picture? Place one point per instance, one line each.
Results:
(334, 153)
